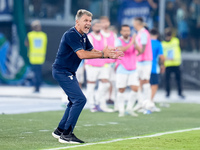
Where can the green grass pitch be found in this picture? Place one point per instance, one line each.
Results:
(178, 141)
(33, 130)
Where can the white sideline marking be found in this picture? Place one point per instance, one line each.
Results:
(113, 123)
(28, 132)
(101, 124)
(123, 139)
(87, 125)
(43, 130)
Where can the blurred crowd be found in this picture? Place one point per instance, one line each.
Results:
(181, 15)
(184, 17)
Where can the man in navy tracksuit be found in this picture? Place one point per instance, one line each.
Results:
(74, 47)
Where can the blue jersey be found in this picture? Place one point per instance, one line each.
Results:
(157, 50)
(71, 42)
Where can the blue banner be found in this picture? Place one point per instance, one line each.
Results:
(130, 9)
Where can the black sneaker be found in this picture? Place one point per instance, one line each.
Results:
(56, 134)
(70, 138)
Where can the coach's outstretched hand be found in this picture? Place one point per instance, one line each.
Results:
(112, 53)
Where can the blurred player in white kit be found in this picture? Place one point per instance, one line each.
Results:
(126, 72)
(96, 70)
(110, 38)
(144, 63)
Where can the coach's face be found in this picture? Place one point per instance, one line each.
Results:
(84, 24)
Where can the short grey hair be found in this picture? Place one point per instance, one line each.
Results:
(82, 12)
(95, 21)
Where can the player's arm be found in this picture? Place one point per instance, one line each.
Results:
(161, 63)
(139, 49)
(144, 39)
(119, 46)
(161, 59)
(124, 48)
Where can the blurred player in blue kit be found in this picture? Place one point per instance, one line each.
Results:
(157, 64)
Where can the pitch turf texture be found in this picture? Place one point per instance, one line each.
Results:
(33, 130)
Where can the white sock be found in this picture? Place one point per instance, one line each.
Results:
(114, 90)
(139, 96)
(120, 102)
(90, 94)
(102, 94)
(131, 101)
(147, 91)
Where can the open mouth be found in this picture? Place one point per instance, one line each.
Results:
(87, 27)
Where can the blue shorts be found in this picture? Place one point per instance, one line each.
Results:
(154, 79)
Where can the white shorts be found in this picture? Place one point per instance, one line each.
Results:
(94, 73)
(80, 74)
(144, 70)
(124, 80)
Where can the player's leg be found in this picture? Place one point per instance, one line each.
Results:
(154, 89)
(133, 82)
(154, 80)
(102, 95)
(92, 74)
(145, 81)
(146, 89)
(112, 89)
(121, 84)
(138, 106)
(145, 93)
(121, 101)
(103, 89)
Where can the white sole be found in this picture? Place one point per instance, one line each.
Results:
(55, 136)
(69, 142)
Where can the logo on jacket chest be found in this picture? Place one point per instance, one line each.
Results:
(84, 40)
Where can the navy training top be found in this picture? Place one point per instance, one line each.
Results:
(71, 42)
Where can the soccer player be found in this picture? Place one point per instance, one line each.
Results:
(144, 59)
(74, 47)
(126, 72)
(95, 70)
(157, 64)
(110, 37)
